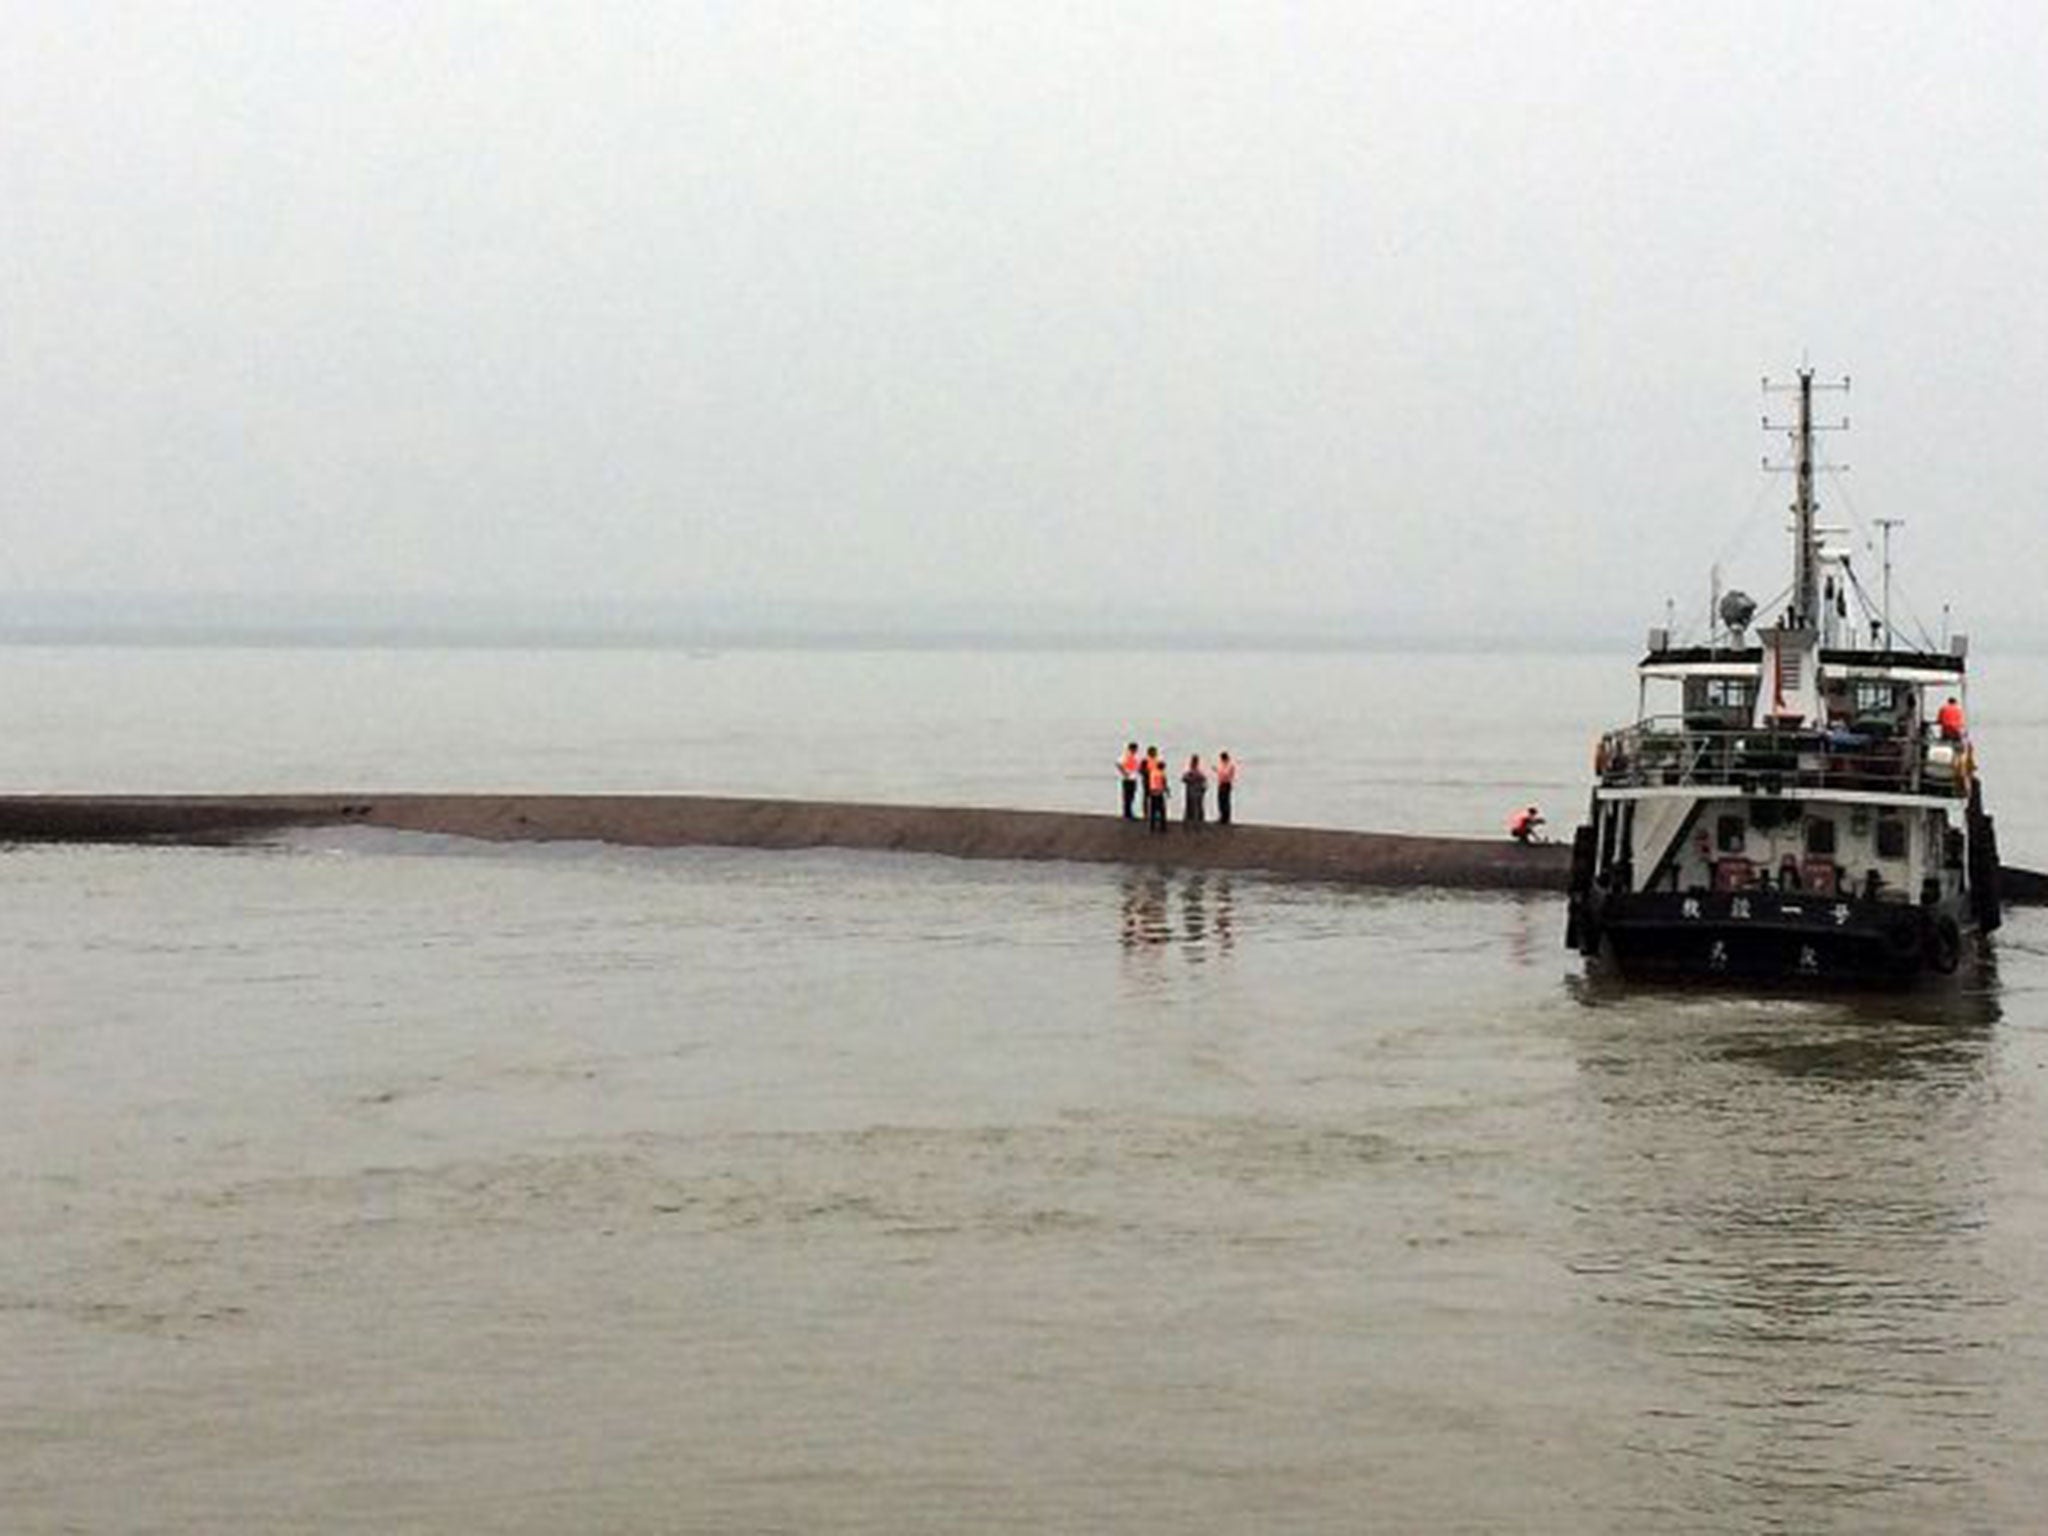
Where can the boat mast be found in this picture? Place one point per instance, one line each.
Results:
(1885, 615)
(1805, 557)
(1805, 608)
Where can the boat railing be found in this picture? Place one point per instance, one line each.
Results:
(1669, 749)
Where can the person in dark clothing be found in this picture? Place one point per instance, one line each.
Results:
(1195, 789)
(1155, 790)
(1226, 781)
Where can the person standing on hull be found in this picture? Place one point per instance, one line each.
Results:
(1195, 792)
(1127, 767)
(1155, 791)
(1226, 781)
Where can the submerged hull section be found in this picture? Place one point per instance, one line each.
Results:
(1772, 937)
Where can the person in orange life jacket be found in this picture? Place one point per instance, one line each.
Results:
(1949, 718)
(1523, 824)
(1127, 767)
(1196, 784)
(1155, 790)
(1226, 780)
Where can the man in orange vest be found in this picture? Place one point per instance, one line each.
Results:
(1523, 824)
(1127, 766)
(1155, 791)
(1949, 718)
(1226, 781)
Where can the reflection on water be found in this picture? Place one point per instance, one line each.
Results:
(1533, 934)
(1145, 909)
(1870, 1054)
(1944, 1005)
(1781, 1215)
(1206, 906)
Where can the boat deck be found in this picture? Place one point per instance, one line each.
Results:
(1666, 750)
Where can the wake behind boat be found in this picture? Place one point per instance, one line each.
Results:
(1810, 811)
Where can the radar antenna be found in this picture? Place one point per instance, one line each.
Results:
(1737, 608)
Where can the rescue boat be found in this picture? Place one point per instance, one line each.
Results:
(1798, 802)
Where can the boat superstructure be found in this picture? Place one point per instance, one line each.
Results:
(1802, 803)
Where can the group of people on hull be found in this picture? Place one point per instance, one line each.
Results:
(1147, 775)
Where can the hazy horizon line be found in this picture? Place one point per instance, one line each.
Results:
(792, 637)
(415, 621)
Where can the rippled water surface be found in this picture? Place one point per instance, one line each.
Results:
(368, 1183)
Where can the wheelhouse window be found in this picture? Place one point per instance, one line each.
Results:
(1891, 837)
(1874, 700)
(1728, 834)
(1820, 835)
(1719, 701)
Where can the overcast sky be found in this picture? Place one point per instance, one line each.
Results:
(1434, 314)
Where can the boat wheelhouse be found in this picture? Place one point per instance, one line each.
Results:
(1800, 806)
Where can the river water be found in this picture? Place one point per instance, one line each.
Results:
(361, 1182)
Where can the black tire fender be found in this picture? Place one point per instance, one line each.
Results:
(1946, 948)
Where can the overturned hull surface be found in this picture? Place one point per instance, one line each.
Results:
(1363, 858)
